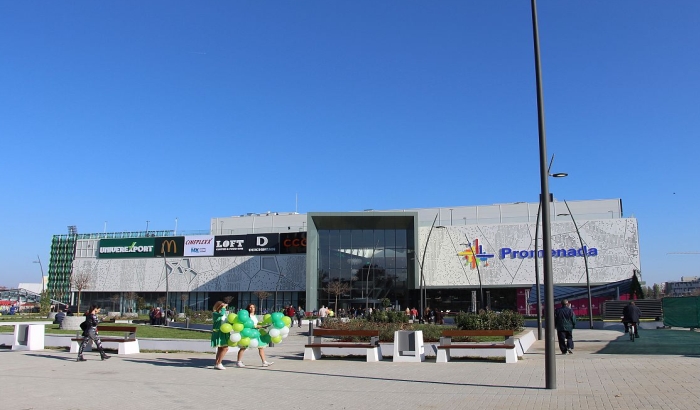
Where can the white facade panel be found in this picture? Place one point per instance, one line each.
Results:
(196, 274)
(612, 246)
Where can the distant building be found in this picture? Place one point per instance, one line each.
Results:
(461, 257)
(688, 285)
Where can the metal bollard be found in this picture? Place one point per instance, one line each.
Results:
(187, 323)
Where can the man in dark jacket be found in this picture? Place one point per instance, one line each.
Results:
(631, 315)
(565, 322)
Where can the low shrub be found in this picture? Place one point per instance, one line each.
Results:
(431, 333)
(489, 320)
(383, 316)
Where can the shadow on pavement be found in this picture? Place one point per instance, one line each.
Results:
(417, 382)
(174, 362)
(655, 342)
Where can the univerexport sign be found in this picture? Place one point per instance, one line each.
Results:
(126, 248)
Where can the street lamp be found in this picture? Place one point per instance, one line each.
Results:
(167, 287)
(422, 263)
(537, 267)
(585, 263)
(38, 260)
(550, 359)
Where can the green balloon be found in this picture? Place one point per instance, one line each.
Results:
(231, 318)
(277, 339)
(243, 314)
(244, 342)
(237, 327)
(278, 324)
(287, 320)
(277, 316)
(267, 318)
(265, 339)
(247, 333)
(226, 328)
(249, 324)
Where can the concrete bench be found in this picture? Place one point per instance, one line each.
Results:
(507, 348)
(126, 345)
(312, 350)
(27, 335)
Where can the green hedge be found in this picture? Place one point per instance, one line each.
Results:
(431, 333)
(489, 320)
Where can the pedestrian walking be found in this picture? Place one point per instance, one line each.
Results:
(565, 322)
(90, 335)
(300, 314)
(261, 350)
(219, 339)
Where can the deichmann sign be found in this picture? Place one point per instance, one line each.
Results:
(170, 246)
(556, 253)
(199, 245)
(262, 243)
(127, 248)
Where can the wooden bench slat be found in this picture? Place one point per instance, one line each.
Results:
(344, 332)
(457, 333)
(130, 329)
(481, 346)
(342, 345)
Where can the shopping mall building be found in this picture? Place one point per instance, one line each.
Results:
(467, 256)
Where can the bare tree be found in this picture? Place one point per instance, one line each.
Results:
(130, 297)
(115, 299)
(184, 297)
(228, 299)
(161, 300)
(80, 281)
(337, 288)
(262, 296)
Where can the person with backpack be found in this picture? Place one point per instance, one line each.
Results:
(90, 335)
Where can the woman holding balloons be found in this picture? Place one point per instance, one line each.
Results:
(261, 347)
(219, 339)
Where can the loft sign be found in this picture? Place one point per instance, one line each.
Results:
(556, 253)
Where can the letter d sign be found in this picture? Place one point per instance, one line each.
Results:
(261, 241)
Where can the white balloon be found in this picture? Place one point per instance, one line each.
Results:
(284, 331)
(285, 336)
(235, 337)
(274, 332)
(253, 343)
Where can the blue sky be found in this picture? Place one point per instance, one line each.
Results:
(349, 104)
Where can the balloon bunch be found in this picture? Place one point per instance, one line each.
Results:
(242, 328)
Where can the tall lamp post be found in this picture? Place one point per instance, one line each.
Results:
(585, 263)
(167, 287)
(549, 343)
(537, 266)
(422, 263)
(38, 260)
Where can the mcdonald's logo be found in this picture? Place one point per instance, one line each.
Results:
(170, 243)
(170, 246)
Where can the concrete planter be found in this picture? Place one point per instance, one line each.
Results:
(52, 316)
(72, 322)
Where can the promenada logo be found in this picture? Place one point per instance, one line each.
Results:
(475, 255)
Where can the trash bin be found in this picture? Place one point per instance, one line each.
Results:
(408, 346)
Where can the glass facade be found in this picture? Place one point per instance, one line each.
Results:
(361, 266)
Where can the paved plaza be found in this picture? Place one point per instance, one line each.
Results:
(661, 370)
